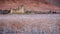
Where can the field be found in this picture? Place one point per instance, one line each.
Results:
(30, 24)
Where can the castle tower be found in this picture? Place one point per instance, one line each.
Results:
(19, 10)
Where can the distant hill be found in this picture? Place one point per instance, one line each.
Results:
(35, 5)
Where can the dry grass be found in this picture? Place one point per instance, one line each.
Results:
(30, 24)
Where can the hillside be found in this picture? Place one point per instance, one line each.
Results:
(35, 5)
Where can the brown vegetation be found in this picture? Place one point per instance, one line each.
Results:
(30, 24)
